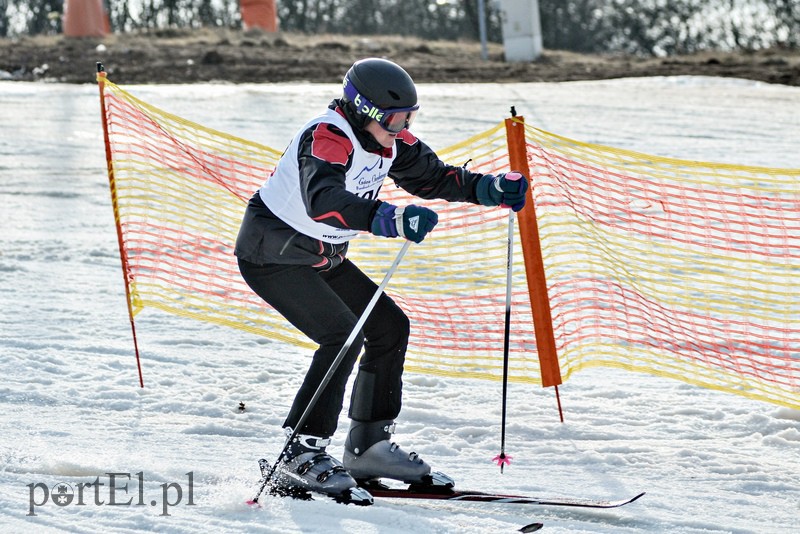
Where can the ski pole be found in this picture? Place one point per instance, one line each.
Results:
(335, 365)
(501, 458)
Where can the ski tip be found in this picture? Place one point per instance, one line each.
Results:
(252, 503)
(533, 527)
(640, 495)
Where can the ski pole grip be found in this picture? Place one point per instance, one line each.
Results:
(512, 176)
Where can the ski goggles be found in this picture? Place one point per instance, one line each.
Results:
(393, 120)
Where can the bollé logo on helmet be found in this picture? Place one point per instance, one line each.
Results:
(364, 106)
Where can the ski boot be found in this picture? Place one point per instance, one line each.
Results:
(370, 455)
(306, 467)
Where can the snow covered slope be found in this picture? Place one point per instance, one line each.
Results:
(72, 411)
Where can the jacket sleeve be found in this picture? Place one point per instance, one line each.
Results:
(324, 156)
(418, 170)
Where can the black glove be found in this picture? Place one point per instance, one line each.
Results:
(506, 190)
(412, 222)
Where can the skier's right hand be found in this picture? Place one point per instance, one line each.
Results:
(412, 222)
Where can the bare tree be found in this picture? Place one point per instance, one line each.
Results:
(647, 27)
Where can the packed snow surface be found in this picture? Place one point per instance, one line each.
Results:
(180, 456)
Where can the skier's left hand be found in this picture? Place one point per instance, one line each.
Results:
(506, 190)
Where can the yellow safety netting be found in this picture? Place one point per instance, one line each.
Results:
(675, 268)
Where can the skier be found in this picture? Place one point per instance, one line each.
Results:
(292, 252)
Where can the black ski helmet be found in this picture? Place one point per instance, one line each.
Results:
(376, 88)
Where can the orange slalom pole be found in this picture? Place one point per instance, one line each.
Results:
(101, 82)
(534, 264)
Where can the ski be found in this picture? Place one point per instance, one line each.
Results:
(448, 494)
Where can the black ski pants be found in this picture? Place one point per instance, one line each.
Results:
(326, 306)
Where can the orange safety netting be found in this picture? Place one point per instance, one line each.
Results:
(676, 268)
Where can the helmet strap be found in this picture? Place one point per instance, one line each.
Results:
(359, 123)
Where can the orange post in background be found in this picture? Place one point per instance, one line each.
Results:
(534, 265)
(261, 14)
(85, 18)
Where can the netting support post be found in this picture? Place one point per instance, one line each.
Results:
(534, 264)
(101, 79)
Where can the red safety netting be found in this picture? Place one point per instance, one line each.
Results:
(676, 268)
